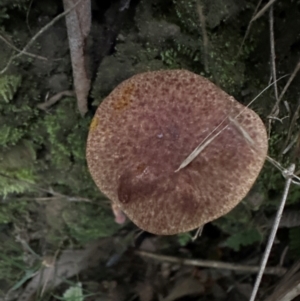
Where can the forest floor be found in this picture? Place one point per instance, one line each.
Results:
(58, 236)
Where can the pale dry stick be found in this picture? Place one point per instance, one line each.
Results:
(289, 173)
(54, 99)
(279, 167)
(275, 109)
(211, 264)
(19, 50)
(198, 233)
(283, 255)
(201, 147)
(291, 78)
(249, 27)
(34, 38)
(27, 15)
(293, 75)
(204, 34)
(242, 131)
(206, 141)
(273, 54)
(263, 10)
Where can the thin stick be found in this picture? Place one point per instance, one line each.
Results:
(263, 10)
(198, 233)
(289, 175)
(273, 55)
(211, 264)
(297, 68)
(19, 50)
(249, 27)
(34, 38)
(54, 99)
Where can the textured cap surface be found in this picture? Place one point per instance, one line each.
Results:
(145, 129)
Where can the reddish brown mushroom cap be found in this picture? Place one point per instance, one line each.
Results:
(148, 126)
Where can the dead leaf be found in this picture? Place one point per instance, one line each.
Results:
(70, 263)
(184, 287)
(145, 291)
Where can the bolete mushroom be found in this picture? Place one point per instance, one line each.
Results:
(148, 126)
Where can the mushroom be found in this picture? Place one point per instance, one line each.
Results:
(149, 125)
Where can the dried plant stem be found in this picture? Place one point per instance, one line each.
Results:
(297, 68)
(211, 264)
(289, 174)
(209, 138)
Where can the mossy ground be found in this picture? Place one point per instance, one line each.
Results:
(43, 171)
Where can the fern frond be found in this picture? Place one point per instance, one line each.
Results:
(244, 238)
(9, 85)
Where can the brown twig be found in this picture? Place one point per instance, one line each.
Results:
(293, 75)
(34, 38)
(211, 264)
(19, 50)
(249, 27)
(54, 99)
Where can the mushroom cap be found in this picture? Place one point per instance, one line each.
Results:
(145, 129)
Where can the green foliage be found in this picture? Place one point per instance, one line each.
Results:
(15, 4)
(74, 293)
(3, 14)
(16, 181)
(11, 261)
(9, 135)
(66, 133)
(87, 222)
(16, 165)
(184, 238)
(9, 85)
(244, 238)
(186, 11)
(294, 238)
(236, 219)
(12, 210)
